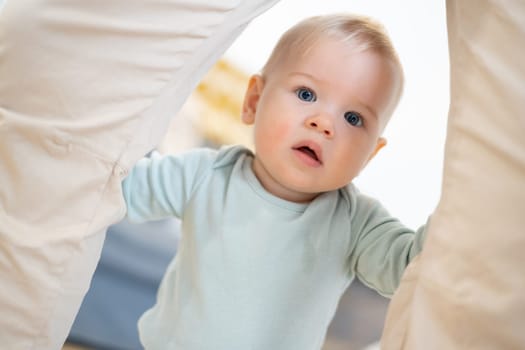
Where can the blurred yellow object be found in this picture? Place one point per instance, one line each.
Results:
(218, 102)
(212, 113)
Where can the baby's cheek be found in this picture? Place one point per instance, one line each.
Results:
(283, 131)
(274, 133)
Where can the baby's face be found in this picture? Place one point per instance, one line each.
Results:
(318, 119)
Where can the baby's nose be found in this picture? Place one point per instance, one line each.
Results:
(321, 123)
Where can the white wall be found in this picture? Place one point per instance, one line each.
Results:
(406, 175)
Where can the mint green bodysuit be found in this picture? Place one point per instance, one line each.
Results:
(254, 271)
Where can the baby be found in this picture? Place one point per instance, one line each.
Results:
(272, 238)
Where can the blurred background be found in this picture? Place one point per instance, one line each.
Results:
(405, 176)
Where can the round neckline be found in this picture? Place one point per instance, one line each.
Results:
(258, 188)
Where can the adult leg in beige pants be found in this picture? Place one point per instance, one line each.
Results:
(86, 88)
(465, 291)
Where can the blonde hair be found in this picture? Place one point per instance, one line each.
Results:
(361, 32)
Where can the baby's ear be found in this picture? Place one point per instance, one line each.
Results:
(381, 142)
(251, 99)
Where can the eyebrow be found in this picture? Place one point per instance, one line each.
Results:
(304, 74)
(307, 75)
(369, 108)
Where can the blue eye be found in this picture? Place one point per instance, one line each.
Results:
(306, 94)
(354, 118)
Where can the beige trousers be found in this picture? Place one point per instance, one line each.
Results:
(86, 89)
(467, 288)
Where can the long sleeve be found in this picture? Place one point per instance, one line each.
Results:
(160, 186)
(383, 246)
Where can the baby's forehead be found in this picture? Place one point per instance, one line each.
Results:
(338, 44)
(304, 48)
(295, 55)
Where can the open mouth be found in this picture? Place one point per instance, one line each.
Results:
(309, 152)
